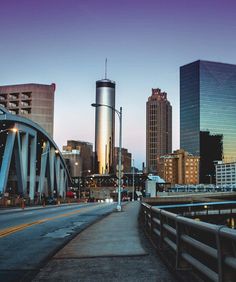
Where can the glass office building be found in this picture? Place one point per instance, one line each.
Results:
(208, 109)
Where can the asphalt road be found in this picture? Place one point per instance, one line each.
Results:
(28, 238)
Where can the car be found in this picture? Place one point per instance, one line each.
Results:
(51, 201)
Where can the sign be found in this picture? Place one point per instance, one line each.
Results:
(117, 167)
(121, 174)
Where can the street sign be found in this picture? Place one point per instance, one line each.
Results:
(121, 174)
(117, 167)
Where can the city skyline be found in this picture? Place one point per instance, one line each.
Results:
(66, 42)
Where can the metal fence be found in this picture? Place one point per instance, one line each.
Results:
(208, 248)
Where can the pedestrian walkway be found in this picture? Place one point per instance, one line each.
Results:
(109, 250)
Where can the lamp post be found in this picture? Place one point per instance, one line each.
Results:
(119, 113)
(133, 181)
(13, 129)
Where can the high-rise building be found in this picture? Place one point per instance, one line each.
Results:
(126, 159)
(208, 104)
(105, 126)
(179, 167)
(80, 154)
(158, 128)
(33, 101)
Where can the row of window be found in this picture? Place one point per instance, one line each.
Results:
(23, 112)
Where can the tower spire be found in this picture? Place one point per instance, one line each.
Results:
(106, 68)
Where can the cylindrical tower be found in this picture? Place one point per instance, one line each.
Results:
(105, 126)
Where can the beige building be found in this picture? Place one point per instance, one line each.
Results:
(179, 167)
(158, 128)
(33, 101)
(83, 160)
(74, 162)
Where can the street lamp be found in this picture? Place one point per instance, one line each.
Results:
(133, 181)
(119, 113)
(13, 129)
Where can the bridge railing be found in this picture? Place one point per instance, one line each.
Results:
(208, 248)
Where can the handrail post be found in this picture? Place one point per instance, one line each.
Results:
(219, 256)
(151, 223)
(178, 244)
(161, 231)
(224, 249)
(180, 263)
(145, 218)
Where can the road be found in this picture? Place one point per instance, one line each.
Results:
(28, 238)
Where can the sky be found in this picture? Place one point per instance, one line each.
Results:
(66, 42)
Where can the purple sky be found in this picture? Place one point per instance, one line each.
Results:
(67, 41)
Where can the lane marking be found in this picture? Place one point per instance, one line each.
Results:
(17, 228)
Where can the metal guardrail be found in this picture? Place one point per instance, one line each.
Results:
(208, 248)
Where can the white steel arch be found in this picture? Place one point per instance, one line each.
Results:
(30, 161)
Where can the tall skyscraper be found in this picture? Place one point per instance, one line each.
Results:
(158, 128)
(105, 126)
(208, 110)
(33, 101)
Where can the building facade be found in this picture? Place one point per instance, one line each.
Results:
(179, 167)
(33, 101)
(158, 128)
(211, 149)
(225, 174)
(208, 104)
(74, 162)
(80, 155)
(105, 126)
(126, 159)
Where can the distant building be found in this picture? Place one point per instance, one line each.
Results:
(179, 167)
(81, 155)
(225, 173)
(33, 101)
(158, 128)
(153, 184)
(74, 162)
(126, 159)
(208, 104)
(211, 150)
(105, 126)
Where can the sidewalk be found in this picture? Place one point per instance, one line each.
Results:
(109, 250)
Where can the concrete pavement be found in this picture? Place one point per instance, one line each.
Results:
(112, 249)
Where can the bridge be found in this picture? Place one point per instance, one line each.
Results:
(113, 246)
(179, 235)
(31, 164)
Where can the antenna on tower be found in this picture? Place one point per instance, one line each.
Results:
(106, 68)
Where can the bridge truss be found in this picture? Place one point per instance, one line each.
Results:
(30, 162)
